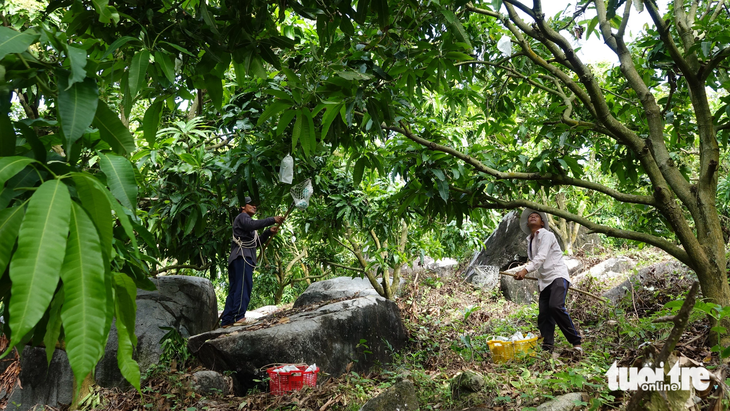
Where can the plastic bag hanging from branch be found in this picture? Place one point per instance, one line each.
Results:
(286, 170)
(301, 193)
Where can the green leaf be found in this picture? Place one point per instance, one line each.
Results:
(77, 106)
(10, 166)
(591, 26)
(297, 130)
(36, 264)
(95, 202)
(12, 41)
(125, 304)
(120, 213)
(358, 171)
(381, 7)
(372, 106)
(77, 58)
(496, 5)
(151, 121)
(214, 85)
(138, 72)
(329, 117)
(456, 27)
(53, 328)
(112, 130)
(168, 68)
(126, 301)
(7, 132)
(120, 179)
(309, 135)
(284, 121)
(459, 56)
(272, 110)
(257, 67)
(84, 309)
(443, 187)
(116, 44)
(107, 13)
(10, 219)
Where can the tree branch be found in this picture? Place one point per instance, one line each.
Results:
(180, 266)
(714, 62)
(557, 179)
(665, 245)
(360, 270)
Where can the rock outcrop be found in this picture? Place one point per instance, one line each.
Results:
(187, 304)
(401, 397)
(362, 331)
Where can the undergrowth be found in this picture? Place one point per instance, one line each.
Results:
(449, 324)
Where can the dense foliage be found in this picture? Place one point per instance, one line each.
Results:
(130, 131)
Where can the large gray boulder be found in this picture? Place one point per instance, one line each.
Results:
(609, 269)
(334, 289)
(505, 245)
(400, 397)
(362, 331)
(672, 267)
(187, 304)
(567, 402)
(41, 383)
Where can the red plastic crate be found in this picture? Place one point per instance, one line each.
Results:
(282, 382)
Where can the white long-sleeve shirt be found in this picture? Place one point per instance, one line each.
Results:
(546, 257)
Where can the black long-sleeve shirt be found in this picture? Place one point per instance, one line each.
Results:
(244, 228)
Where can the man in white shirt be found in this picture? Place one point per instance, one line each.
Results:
(553, 279)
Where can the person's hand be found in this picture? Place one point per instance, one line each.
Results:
(521, 275)
(274, 230)
(279, 219)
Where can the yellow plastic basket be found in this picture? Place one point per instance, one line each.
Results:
(503, 351)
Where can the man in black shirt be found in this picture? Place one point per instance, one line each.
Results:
(242, 260)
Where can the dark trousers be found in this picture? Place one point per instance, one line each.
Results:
(240, 284)
(552, 311)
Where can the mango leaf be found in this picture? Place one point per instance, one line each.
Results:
(138, 72)
(53, 328)
(166, 65)
(272, 110)
(7, 132)
(36, 264)
(214, 86)
(77, 105)
(107, 13)
(120, 179)
(151, 121)
(77, 59)
(126, 302)
(456, 27)
(112, 130)
(95, 203)
(122, 216)
(126, 296)
(116, 44)
(297, 131)
(10, 166)
(10, 219)
(329, 117)
(284, 121)
(358, 171)
(12, 41)
(84, 311)
(308, 135)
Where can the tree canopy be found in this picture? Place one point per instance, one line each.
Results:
(130, 131)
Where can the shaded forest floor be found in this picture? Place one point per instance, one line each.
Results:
(450, 323)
